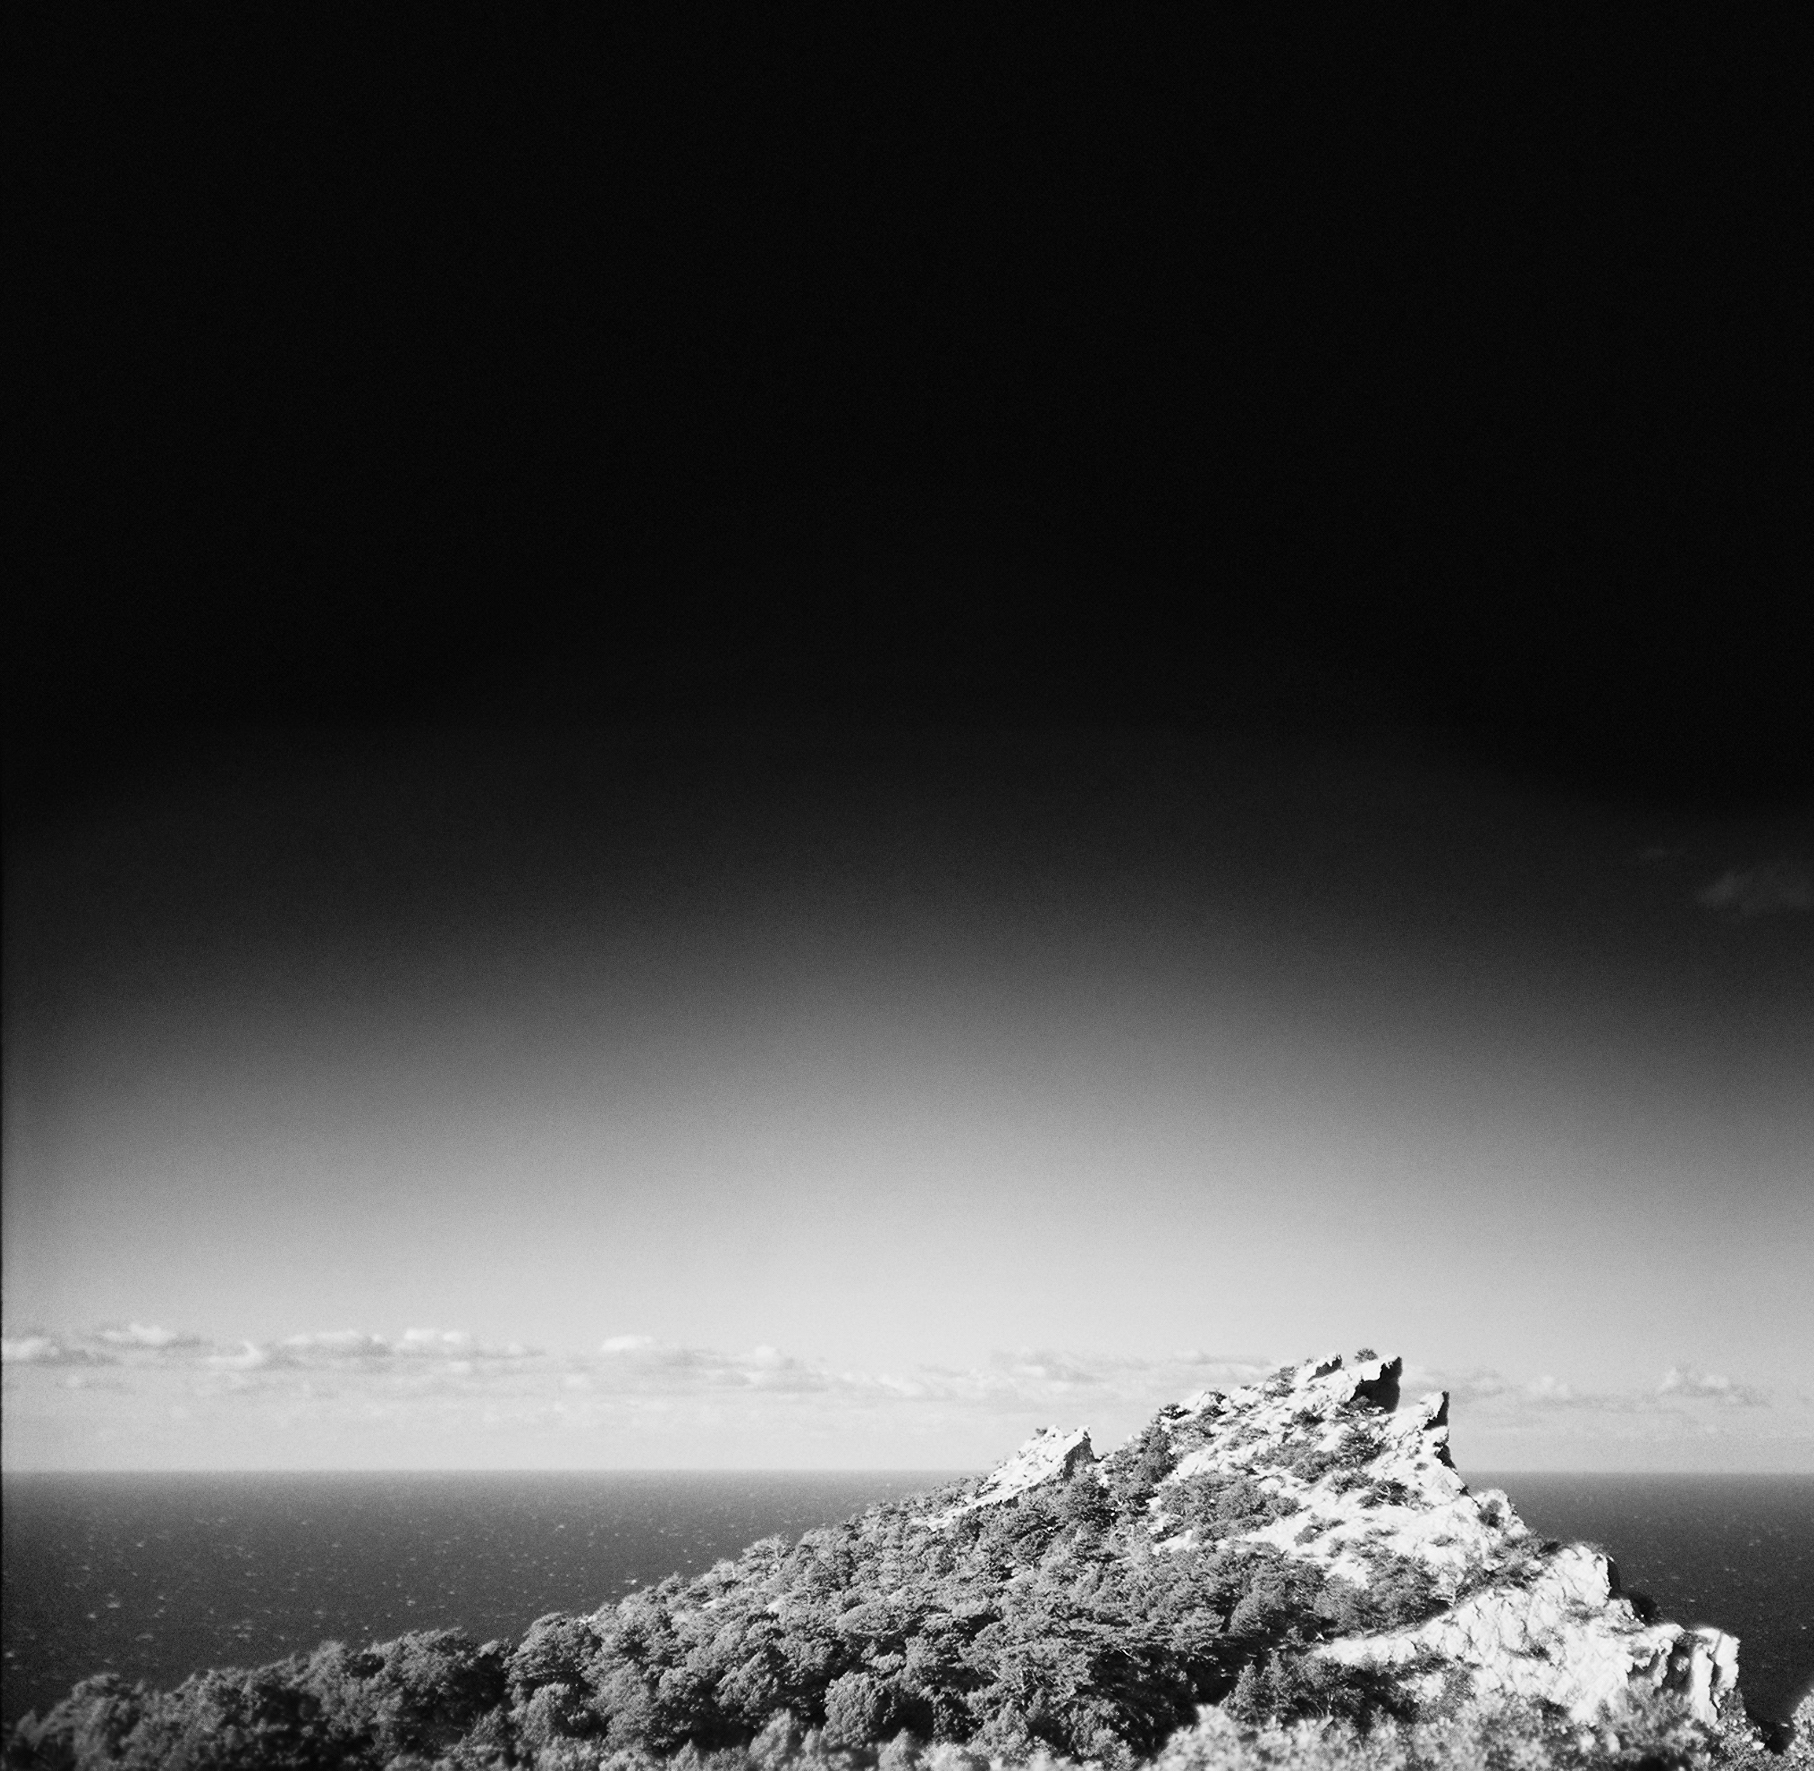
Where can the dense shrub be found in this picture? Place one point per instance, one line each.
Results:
(1133, 1474)
(1048, 1621)
(1290, 1687)
(1220, 1504)
(1399, 1592)
(1347, 1458)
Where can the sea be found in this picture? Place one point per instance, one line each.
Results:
(157, 1576)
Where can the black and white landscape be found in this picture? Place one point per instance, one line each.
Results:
(728, 753)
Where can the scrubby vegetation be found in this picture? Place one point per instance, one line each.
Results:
(1048, 1621)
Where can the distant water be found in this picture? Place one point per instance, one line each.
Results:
(155, 1577)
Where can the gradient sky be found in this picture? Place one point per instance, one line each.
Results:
(765, 753)
(642, 1103)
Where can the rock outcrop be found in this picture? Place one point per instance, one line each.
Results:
(1566, 1638)
(1051, 1455)
(1363, 1488)
(1364, 1481)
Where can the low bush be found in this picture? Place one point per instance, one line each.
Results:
(1218, 1504)
(1292, 1687)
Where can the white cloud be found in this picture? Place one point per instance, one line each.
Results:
(444, 1343)
(1493, 1391)
(44, 1349)
(344, 1343)
(1044, 1365)
(139, 1334)
(30, 1349)
(1688, 1383)
(252, 1357)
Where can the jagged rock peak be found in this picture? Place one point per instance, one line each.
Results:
(1329, 1384)
(1051, 1455)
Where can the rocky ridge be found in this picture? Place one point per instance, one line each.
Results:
(1291, 1574)
(1520, 1618)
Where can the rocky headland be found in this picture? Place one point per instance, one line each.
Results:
(1290, 1574)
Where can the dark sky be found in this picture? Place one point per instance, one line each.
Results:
(432, 373)
(1222, 621)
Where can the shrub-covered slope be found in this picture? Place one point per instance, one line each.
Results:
(1297, 1553)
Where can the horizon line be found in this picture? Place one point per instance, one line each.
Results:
(757, 1470)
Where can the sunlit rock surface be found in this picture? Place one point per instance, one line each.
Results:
(1051, 1455)
(1367, 1478)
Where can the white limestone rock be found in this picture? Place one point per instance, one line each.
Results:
(1051, 1455)
(1566, 1638)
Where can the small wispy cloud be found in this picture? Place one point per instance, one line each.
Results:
(146, 1346)
(250, 1357)
(1757, 891)
(45, 1349)
(1494, 1390)
(1491, 1398)
(1686, 1382)
(1045, 1365)
(334, 1345)
(140, 1334)
(640, 1363)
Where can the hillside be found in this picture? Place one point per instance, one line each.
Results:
(1293, 1573)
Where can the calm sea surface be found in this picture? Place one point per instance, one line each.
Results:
(157, 1576)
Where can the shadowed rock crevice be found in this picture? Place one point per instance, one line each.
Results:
(1382, 1391)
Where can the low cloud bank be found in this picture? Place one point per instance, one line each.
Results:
(638, 1364)
(162, 1397)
